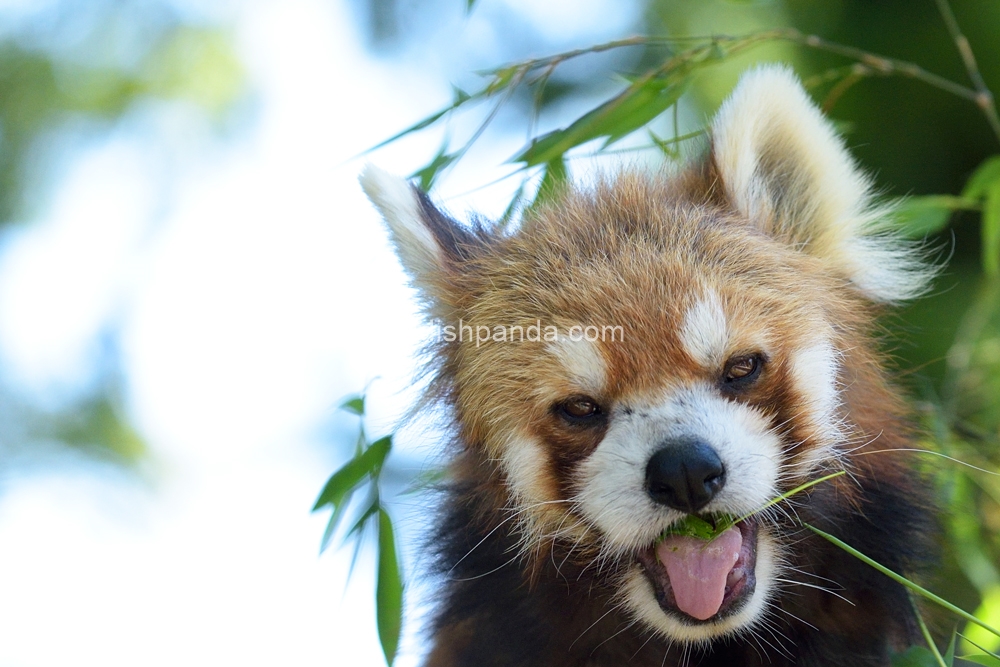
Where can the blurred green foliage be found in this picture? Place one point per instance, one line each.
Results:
(84, 66)
(43, 87)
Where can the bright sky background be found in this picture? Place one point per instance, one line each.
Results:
(251, 296)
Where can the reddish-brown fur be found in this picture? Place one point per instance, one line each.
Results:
(529, 577)
(627, 253)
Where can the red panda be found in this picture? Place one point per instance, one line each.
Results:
(702, 343)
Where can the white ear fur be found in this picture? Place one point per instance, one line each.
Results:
(783, 166)
(399, 204)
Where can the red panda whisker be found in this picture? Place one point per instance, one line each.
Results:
(643, 645)
(624, 628)
(611, 609)
(813, 574)
(779, 637)
(757, 646)
(685, 656)
(486, 574)
(817, 587)
(932, 453)
(480, 542)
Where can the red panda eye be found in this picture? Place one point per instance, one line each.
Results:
(579, 407)
(743, 369)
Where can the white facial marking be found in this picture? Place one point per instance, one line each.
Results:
(814, 373)
(705, 332)
(541, 514)
(521, 461)
(612, 479)
(582, 361)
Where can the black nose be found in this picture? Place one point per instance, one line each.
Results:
(685, 475)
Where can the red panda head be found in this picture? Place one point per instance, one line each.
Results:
(656, 346)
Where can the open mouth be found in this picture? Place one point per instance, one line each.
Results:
(699, 580)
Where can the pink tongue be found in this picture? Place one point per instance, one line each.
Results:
(698, 569)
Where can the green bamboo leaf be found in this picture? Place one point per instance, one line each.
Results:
(357, 531)
(711, 527)
(697, 527)
(919, 590)
(634, 107)
(788, 494)
(501, 78)
(991, 230)
(331, 525)
(553, 181)
(915, 656)
(345, 480)
(669, 147)
(939, 660)
(388, 589)
(361, 442)
(354, 405)
(949, 655)
(374, 504)
(917, 217)
(647, 104)
(427, 479)
(429, 174)
(989, 611)
(988, 660)
(985, 175)
(516, 201)
(460, 98)
(717, 52)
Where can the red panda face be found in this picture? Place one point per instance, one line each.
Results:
(655, 347)
(709, 385)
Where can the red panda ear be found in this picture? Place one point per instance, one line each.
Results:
(783, 166)
(430, 245)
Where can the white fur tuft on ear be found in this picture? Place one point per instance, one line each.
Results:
(784, 167)
(399, 204)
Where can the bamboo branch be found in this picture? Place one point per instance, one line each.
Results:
(984, 96)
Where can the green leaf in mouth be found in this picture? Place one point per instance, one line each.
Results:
(706, 527)
(710, 526)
